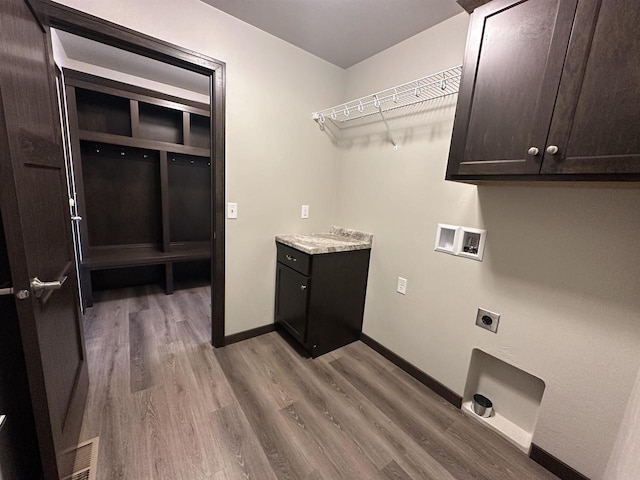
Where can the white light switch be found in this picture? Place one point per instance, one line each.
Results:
(232, 210)
(402, 285)
(305, 211)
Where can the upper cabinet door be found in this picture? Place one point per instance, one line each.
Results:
(596, 125)
(512, 70)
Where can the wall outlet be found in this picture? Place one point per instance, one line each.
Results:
(402, 286)
(305, 211)
(487, 320)
(232, 210)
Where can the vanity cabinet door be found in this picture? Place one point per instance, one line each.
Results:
(292, 298)
(597, 117)
(512, 69)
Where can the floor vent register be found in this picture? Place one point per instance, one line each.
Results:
(82, 461)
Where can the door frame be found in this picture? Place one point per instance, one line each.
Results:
(88, 26)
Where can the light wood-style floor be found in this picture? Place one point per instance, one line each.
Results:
(166, 405)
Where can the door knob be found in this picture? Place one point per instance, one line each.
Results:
(552, 149)
(533, 151)
(38, 286)
(303, 287)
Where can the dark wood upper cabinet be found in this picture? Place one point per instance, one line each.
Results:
(596, 124)
(549, 91)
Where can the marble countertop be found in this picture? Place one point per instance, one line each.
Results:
(337, 240)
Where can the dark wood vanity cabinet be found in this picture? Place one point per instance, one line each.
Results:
(550, 91)
(320, 298)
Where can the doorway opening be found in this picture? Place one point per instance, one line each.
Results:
(146, 131)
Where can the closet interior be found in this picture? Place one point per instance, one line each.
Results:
(142, 167)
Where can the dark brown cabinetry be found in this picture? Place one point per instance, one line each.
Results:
(143, 176)
(549, 92)
(320, 298)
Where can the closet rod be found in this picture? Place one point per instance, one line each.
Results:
(436, 85)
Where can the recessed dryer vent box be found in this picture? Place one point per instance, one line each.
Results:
(446, 238)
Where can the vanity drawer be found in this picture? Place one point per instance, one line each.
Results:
(299, 261)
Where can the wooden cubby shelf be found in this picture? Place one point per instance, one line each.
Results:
(142, 163)
(137, 255)
(111, 139)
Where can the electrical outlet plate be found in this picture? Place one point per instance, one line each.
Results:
(232, 210)
(402, 286)
(488, 320)
(305, 211)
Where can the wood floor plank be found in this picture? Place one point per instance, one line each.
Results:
(378, 427)
(243, 456)
(167, 405)
(431, 439)
(285, 459)
(143, 351)
(154, 455)
(440, 413)
(393, 471)
(349, 431)
(501, 460)
(334, 457)
(108, 362)
(207, 376)
(192, 439)
(278, 386)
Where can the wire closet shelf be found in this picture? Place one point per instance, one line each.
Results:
(431, 87)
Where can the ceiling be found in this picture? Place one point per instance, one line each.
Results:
(343, 32)
(112, 58)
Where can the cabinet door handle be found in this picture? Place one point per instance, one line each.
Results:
(552, 149)
(533, 151)
(303, 287)
(291, 259)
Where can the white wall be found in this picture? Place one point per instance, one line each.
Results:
(561, 263)
(625, 461)
(276, 159)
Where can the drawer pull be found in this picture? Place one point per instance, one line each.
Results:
(303, 287)
(291, 259)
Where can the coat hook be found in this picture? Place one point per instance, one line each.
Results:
(333, 115)
(360, 106)
(346, 111)
(395, 95)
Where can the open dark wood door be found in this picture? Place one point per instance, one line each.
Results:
(37, 224)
